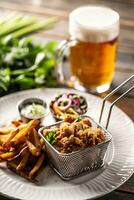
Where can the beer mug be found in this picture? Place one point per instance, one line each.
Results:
(92, 48)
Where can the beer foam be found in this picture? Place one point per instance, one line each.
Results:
(94, 24)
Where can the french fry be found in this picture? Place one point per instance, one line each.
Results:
(30, 137)
(7, 155)
(7, 144)
(20, 148)
(57, 110)
(21, 151)
(1, 148)
(12, 135)
(22, 126)
(4, 138)
(37, 166)
(24, 160)
(42, 144)
(36, 139)
(20, 137)
(5, 130)
(12, 166)
(17, 123)
(33, 149)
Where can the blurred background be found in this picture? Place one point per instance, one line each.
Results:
(61, 8)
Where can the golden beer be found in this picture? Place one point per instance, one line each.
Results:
(92, 57)
(93, 63)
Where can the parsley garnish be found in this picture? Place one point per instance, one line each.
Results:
(51, 137)
(78, 119)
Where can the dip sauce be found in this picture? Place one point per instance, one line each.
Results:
(33, 111)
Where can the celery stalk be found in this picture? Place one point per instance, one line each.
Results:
(35, 27)
(14, 25)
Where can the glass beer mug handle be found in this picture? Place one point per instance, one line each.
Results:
(62, 47)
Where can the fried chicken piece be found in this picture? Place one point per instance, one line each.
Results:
(77, 126)
(86, 121)
(77, 135)
(78, 142)
(96, 135)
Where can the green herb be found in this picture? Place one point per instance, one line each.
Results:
(25, 65)
(4, 79)
(78, 119)
(51, 137)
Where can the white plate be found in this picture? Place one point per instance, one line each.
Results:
(119, 159)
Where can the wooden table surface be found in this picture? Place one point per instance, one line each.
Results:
(125, 59)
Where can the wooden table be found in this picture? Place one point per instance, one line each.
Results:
(125, 59)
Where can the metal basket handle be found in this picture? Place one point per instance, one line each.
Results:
(115, 101)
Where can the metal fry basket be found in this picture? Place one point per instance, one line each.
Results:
(71, 165)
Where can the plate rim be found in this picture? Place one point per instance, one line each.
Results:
(43, 89)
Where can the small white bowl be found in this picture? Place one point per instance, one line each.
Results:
(29, 101)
